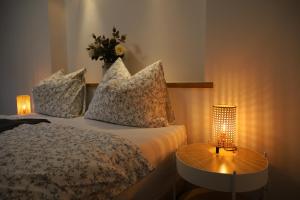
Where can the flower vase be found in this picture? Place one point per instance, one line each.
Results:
(105, 67)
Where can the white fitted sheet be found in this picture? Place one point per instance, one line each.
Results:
(156, 144)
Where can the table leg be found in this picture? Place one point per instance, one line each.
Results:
(174, 191)
(233, 197)
(265, 188)
(264, 192)
(233, 184)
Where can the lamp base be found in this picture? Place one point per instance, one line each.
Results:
(226, 149)
(230, 148)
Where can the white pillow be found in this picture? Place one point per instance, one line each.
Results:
(139, 100)
(61, 95)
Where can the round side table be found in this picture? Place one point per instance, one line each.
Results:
(240, 171)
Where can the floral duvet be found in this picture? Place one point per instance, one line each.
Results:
(52, 161)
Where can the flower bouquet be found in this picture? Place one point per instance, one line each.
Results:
(107, 49)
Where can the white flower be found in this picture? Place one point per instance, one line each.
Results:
(120, 50)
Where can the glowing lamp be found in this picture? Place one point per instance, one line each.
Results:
(224, 127)
(23, 104)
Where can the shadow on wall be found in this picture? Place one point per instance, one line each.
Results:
(134, 59)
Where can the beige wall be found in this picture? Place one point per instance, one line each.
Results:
(57, 32)
(24, 51)
(253, 57)
(192, 108)
(170, 30)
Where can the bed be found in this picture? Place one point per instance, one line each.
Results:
(84, 154)
(157, 146)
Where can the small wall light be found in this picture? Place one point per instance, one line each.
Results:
(23, 104)
(224, 127)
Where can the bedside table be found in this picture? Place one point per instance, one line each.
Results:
(240, 171)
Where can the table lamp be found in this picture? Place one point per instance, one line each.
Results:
(224, 127)
(23, 104)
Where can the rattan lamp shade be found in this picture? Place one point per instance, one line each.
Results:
(224, 126)
(23, 104)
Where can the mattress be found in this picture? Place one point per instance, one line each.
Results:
(158, 146)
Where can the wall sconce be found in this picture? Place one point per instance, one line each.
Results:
(23, 104)
(224, 127)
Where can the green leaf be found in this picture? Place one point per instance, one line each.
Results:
(113, 42)
(123, 38)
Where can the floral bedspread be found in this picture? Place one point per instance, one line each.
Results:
(51, 161)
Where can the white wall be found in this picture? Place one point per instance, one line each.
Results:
(170, 30)
(24, 50)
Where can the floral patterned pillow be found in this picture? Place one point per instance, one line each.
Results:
(139, 100)
(57, 75)
(61, 95)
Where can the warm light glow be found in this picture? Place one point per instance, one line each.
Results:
(224, 126)
(23, 104)
(223, 169)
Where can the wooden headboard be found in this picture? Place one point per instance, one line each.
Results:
(91, 87)
(177, 85)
